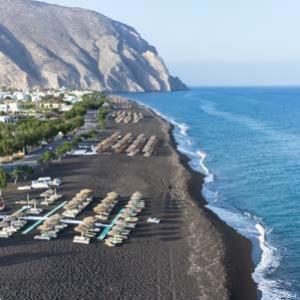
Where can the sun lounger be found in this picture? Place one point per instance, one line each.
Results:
(5, 234)
(81, 240)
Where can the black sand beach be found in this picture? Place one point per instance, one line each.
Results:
(190, 255)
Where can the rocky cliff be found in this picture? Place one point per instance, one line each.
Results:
(53, 46)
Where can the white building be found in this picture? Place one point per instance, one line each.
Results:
(7, 119)
(20, 96)
(71, 98)
(9, 107)
(35, 98)
(65, 107)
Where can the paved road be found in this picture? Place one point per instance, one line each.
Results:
(33, 158)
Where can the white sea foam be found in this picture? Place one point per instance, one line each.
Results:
(270, 261)
(210, 195)
(183, 128)
(249, 226)
(210, 178)
(189, 142)
(245, 223)
(202, 155)
(270, 258)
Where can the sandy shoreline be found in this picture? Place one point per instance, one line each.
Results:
(190, 255)
(237, 256)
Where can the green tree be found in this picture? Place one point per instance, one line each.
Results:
(63, 149)
(46, 158)
(92, 133)
(101, 117)
(27, 171)
(31, 132)
(16, 174)
(76, 141)
(3, 182)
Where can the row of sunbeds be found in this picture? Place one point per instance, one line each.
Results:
(137, 145)
(118, 144)
(53, 225)
(78, 203)
(50, 196)
(123, 143)
(127, 117)
(104, 209)
(50, 228)
(86, 228)
(126, 222)
(12, 224)
(150, 146)
(120, 102)
(107, 143)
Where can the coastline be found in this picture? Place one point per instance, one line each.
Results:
(238, 249)
(184, 257)
(237, 258)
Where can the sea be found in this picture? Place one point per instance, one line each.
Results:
(246, 141)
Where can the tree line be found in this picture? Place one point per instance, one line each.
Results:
(31, 132)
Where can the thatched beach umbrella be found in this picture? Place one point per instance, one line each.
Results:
(56, 217)
(114, 232)
(119, 227)
(82, 229)
(45, 228)
(121, 222)
(136, 195)
(112, 194)
(89, 221)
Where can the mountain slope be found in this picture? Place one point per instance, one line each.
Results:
(53, 46)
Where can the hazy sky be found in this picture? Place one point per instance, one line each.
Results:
(216, 42)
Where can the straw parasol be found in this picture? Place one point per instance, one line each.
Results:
(89, 221)
(136, 196)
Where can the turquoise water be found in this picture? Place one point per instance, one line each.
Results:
(247, 143)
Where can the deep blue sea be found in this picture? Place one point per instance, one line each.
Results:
(247, 143)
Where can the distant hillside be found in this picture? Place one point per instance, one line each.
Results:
(53, 46)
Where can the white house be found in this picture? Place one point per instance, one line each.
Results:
(35, 97)
(3, 108)
(71, 98)
(65, 107)
(7, 119)
(9, 107)
(20, 96)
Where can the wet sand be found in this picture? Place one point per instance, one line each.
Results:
(190, 255)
